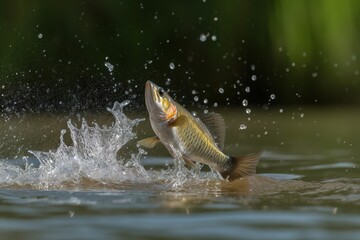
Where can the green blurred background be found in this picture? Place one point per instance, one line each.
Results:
(53, 53)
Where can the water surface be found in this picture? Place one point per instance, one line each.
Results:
(306, 186)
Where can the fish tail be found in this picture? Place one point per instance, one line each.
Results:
(238, 167)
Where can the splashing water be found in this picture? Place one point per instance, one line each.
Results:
(91, 161)
(91, 157)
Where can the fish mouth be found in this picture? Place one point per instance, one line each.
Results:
(148, 86)
(150, 92)
(151, 97)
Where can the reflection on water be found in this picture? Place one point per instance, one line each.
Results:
(307, 186)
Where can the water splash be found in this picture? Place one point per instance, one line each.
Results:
(91, 161)
(91, 157)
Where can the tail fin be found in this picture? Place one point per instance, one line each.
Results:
(241, 166)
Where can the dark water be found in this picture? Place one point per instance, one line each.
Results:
(307, 185)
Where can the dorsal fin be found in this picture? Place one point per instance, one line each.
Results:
(216, 126)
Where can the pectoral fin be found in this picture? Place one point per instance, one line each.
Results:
(188, 162)
(149, 142)
(179, 121)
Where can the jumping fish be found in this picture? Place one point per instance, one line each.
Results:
(192, 139)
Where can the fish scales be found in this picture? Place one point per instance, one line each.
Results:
(197, 142)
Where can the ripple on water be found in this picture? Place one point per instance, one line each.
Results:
(329, 166)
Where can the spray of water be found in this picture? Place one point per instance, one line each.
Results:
(91, 160)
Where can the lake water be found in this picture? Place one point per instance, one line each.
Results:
(307, 186)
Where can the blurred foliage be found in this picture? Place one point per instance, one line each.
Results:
(53, 53)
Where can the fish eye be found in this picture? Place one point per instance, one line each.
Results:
(161, 92)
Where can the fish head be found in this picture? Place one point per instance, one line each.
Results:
(160, 105)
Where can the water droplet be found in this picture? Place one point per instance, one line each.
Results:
(213, 38)
(221, 90)
(216, 19)
(280, 49)
(244, 102)
(252, 67)
(40, 35)
(253, 77)
(215, 104)
(243, 127)
(248, 110)
(167, 83)
(148, 62)
(247, 89)
(314, 74)
(172, 66)
(302, 115)
(281, 110)
(335, 210)
(196, 98)
(203, 37)
(272, 96)
(205, 101)
(109, 66)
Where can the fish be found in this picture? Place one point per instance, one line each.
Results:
(190, 138)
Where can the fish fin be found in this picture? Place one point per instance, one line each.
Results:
(216, 125)
(178, 121)
(149, 142)
(241, 166)
(189, 162)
